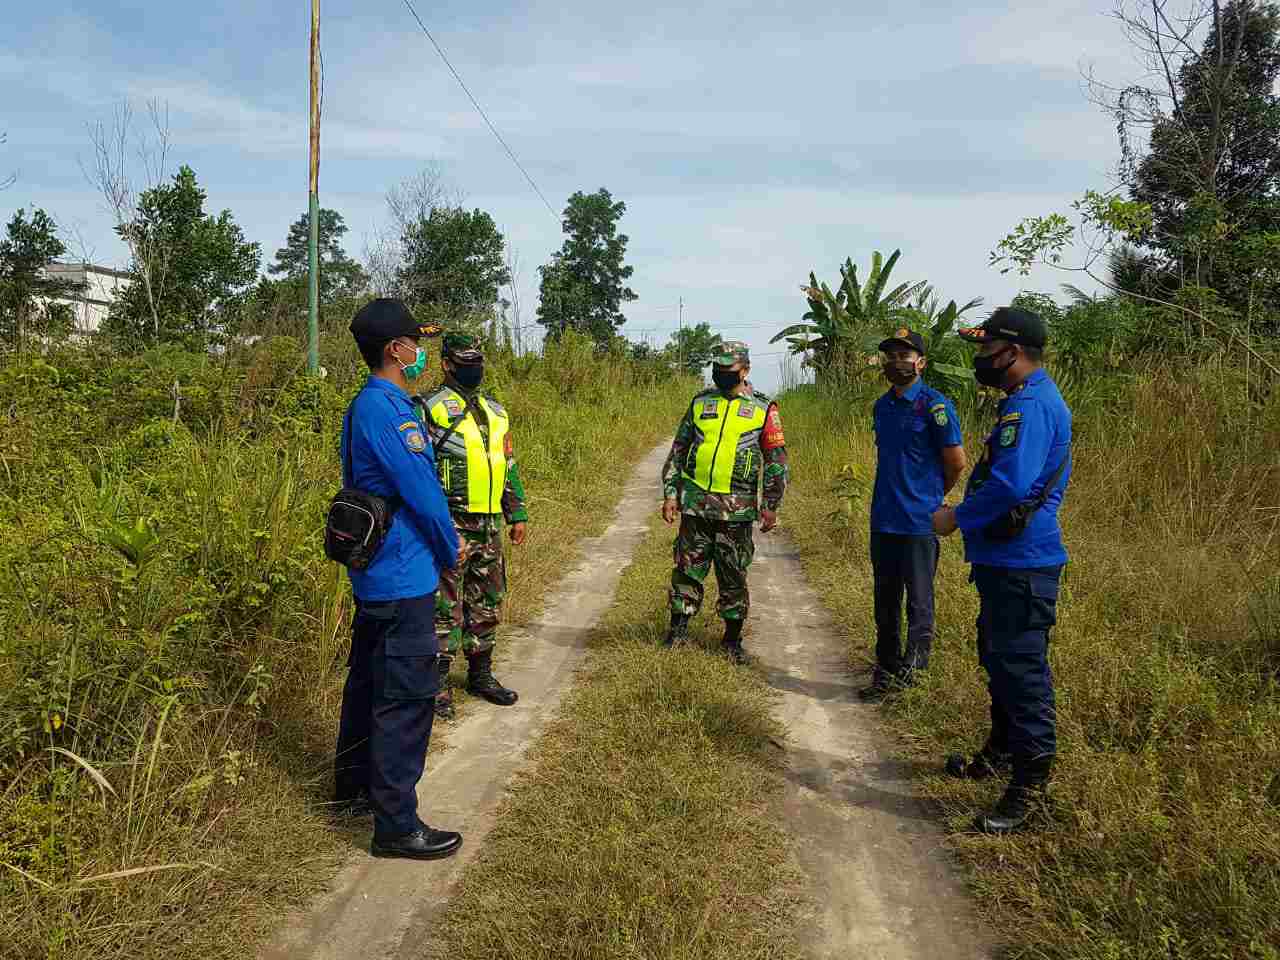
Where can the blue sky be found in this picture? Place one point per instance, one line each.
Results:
(752, 142)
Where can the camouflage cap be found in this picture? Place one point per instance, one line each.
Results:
(730, 352)
(462, 347)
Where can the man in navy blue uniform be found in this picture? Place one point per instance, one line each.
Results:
(389, 699)
(1016, 565)
(919, 458)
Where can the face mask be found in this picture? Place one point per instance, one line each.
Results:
(726, 380)
(987, 373)
(899, 372)
(414, 370)
(469, 376)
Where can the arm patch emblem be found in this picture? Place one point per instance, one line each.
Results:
(1009, 435)
(709, 409)
(414, 440)
(940, 414)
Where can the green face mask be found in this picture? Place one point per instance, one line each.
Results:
(414, 370)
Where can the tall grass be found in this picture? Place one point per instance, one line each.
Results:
(172, 638)
(1166, 837)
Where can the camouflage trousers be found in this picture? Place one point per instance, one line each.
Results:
(469, 599)
(701, 543)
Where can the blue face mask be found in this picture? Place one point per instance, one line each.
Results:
(469, 375)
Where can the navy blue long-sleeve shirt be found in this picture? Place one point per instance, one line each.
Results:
(1030, 440)
(391, 457)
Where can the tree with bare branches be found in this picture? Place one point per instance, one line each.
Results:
(1200, 137)
(127, 162)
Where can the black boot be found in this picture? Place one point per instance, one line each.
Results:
(732, 642)
(987, 762)
(678, 632)
(882, 684)
(482, 682)
(1025, 792)
(444, 699)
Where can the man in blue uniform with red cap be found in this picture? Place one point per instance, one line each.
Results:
(1009, 519)
(389, 699)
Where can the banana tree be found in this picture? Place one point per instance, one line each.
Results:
(836, 322)
(935, 324)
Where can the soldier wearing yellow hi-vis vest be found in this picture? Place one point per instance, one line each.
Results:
(728, 449)
(471, 433)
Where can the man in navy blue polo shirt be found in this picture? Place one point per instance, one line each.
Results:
(919, 458)
(1009, 519)
(389, 699)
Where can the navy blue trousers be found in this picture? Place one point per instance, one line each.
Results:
(388, 705)
(902, 563)
(1017, 609)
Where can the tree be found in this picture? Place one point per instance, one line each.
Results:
(584, 285)
(408, 202)
(28, 306)
(209, 265)
(837, 324)
(1208, 167)
(693, 347)
(340, 276)
(453, 265)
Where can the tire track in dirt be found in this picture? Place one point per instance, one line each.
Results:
(884, 885)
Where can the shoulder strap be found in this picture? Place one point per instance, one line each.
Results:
(1043, 496)
(444, 437)
(348, 471)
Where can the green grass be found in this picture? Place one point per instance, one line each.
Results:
(645, 823)
(1166, 836)
(172, 622)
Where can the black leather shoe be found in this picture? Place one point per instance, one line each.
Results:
(482, 683)
(423, 844)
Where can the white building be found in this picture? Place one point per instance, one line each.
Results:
(101, 287)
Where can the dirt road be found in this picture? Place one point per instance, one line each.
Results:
(873, 855)
(385, 908)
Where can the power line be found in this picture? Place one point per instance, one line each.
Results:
(480, 110)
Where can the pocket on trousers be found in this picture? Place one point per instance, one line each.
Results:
(410, 650)
(1042, 602)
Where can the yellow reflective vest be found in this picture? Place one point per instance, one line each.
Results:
(725, 454)
(472, 473)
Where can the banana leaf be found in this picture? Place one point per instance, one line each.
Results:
(951, 370)
(794, 329)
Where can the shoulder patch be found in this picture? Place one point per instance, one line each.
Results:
(408, 425)
(1009, 435)
(1012, 417)
(710, 408)
(940, 415)
(414, 440)
(746, 409)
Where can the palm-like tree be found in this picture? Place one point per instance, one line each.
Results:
(836, 322)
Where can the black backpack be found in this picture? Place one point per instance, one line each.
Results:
(358, 522)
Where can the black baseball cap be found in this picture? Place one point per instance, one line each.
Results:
(902, 337)
(385, 319)
(1012, 324)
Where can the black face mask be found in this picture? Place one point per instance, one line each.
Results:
(726, 380)
(899, 372)
(469, 376)
(987, 373)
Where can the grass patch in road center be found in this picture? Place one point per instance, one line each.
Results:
(645, 823)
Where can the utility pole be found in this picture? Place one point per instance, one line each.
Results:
(313, 241)
(680, 335)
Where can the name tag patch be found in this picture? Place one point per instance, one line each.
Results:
(452, 407)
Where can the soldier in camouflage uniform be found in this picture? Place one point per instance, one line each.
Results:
(728, 441)
(477, 469)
